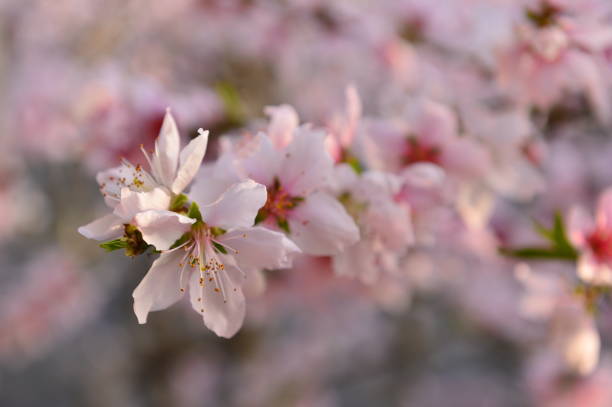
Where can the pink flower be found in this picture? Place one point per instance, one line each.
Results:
(343, 126)
(297, 177)
(554, 54)
(384, 223)
(593, 238)
(428, 135)
(221, 250)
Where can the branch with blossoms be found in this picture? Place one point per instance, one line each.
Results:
(367, 193)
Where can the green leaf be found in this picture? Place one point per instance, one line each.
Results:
(560, 234)
(194, 212)
(538, 253)
(283, 224)
(228, 94)
(178, 202)
(543, 231)
(219, 247)
(115, 244)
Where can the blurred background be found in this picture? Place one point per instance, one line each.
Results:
(84, 82)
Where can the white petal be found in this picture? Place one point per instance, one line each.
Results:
(321, 226)
(160, 288)
(263, 165)
(259, 248)
(357, 261)
(593, 272)
(104, 228)
(113, 180)
(222, 315)
(167, 145)
(134, 202)
(190, 160)
(162, 228)
(237, 207)
(213, 180)
(306, 164)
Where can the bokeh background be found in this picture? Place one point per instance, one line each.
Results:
(84, 82)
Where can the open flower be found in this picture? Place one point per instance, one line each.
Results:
(143, 199)
(593, 238)
(429, 134)
(384, 223)
(298, 204)
(171, 168)
(220, 251)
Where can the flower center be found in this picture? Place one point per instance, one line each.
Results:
(278, 205)
(417, 151)
(600, 242)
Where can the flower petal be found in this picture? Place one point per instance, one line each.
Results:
(160, 288)
(222, 313)
(593, 272)
(214, 179)
(263, 165)
(283, 121)
(134, 202)
(237, 207)
(321, 226)
(114, 179)
(259, 248)
(604, 209)
(579, 224)
(190, 160)
(162, 228)
(167, 145)
(103, 228)
(306, 164)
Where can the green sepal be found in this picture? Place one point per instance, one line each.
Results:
(194, 212)
(283, 225)
(261, 216)
(296, 200)
(217, 231)
(183, 239)
(178, 203)
(219, 247)
(115, 244)
(355, 164)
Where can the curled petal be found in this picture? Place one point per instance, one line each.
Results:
(162, 228)
(104, 228)
(167, 145)
(134, 202)
(283, 121)
(190, 160)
